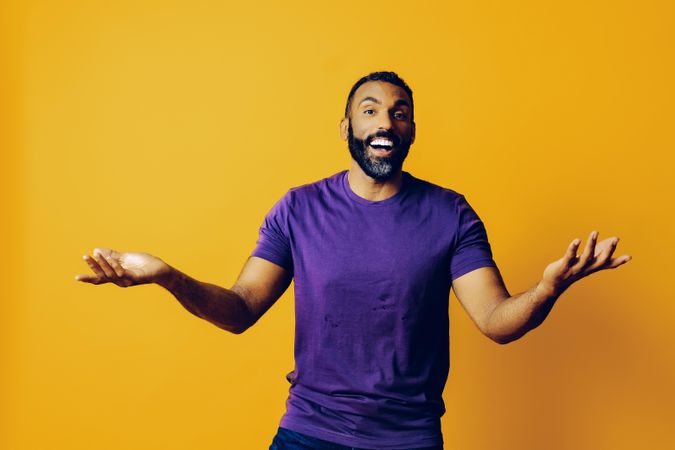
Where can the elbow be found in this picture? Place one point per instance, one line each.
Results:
(503, 339)
(500, 339)
(495, 336)
(232, 328)
(241, 327)
(237, 329)
(245, 318)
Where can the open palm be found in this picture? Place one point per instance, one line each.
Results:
(122, 268)
(560, 274)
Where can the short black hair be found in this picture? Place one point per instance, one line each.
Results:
(388, 77)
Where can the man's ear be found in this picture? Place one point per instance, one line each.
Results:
(412, 134)
(344, 128)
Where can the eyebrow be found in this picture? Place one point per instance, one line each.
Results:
(398, 102)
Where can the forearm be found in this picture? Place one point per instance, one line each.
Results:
(222, 307)
(517, 315)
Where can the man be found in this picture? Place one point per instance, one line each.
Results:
(374, 252)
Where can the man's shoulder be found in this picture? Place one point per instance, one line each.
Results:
(313, 186)
(435, 192)
(314, 189)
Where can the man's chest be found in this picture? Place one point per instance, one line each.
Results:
(382, 252)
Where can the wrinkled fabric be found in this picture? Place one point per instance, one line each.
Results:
(372, 282)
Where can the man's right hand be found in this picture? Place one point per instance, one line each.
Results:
(123, 269)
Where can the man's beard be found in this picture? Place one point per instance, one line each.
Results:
(380, 168)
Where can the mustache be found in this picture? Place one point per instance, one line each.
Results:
(384, 134)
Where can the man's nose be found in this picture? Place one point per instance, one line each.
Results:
(385, 122)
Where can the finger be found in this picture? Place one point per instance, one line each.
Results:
(588, 256)
(104, 251)
(571, 253)
(109, 272)
(93, 279)
(616, 262)
(94, 266)
(604, 251)
(605, 245)
(612, 247)
(119, 270)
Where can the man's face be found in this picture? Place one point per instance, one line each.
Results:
(380, 129)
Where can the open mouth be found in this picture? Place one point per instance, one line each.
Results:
(381, 146)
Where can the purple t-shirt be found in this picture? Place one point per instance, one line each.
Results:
(372, 283)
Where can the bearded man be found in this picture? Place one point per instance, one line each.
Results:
(374, 252)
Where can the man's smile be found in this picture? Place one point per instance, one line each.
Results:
(381, 142)
(382, 146)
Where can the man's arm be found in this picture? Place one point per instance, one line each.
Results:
(258, 286)
(505, 318)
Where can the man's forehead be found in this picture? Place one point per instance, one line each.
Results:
(380, 90)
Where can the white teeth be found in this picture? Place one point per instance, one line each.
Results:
(386, 142)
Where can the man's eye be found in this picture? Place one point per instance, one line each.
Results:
(369, 111)
(400, 115)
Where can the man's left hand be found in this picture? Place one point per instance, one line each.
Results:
(560, 274)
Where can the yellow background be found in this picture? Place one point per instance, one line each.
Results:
(172, 127)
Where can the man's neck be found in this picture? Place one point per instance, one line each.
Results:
(370, 188)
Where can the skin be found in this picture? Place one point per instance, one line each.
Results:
(376, 107)
(367, 117)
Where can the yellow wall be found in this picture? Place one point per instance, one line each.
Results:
(172, 128)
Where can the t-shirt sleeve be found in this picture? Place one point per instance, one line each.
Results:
(273, 239)
(472, 249)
